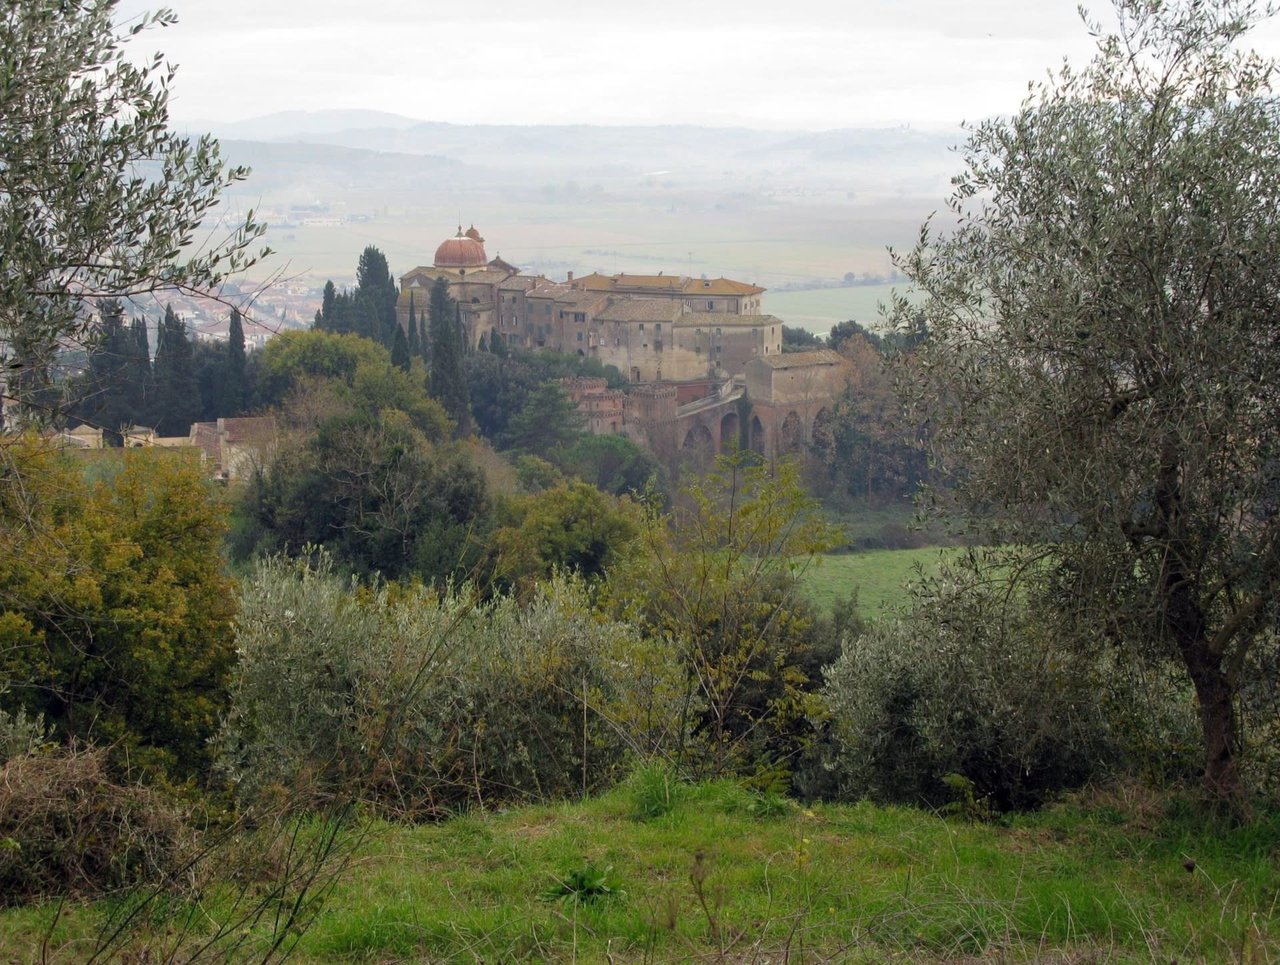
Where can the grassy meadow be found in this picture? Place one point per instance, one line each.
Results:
(661, 872)
(878, 576)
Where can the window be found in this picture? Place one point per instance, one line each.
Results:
(579, 336)
(711, 305)
(717, 331)
(642, 326)
(658, 328)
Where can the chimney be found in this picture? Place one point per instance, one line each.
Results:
(570, 278)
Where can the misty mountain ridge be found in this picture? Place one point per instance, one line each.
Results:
(583, 149)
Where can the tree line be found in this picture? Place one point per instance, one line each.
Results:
(123, 386)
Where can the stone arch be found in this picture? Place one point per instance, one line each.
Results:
(823, 426)
(791, 433)
(756, 436)
(729, 431)
(698, 438)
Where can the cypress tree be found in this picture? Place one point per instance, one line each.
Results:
(496, 344)
(414, 347)
(177, 397)
(234, 378)
(324, 318)
(400, 357)
(138, 383)
(375, 298)
(102, 391)
(448, 382)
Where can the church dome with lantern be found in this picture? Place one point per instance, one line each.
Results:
(464, 250)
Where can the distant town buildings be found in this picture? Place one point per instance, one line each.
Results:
(706, 365)
(227, 448)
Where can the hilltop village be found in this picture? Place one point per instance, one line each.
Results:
(706, 366)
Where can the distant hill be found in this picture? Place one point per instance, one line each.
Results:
(786, 209)
(284, 125)
(583, 150)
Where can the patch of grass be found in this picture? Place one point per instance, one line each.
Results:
(879, 576)
(654, 790)
(1081, 882)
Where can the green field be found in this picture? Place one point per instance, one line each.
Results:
(878, 576)
(719, 874)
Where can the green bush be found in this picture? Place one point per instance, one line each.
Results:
(20, 733)
(967, 686)
(424, 702)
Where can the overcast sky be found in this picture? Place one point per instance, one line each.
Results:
(811, 64)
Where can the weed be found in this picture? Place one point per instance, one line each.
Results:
(770, 804)
(654, 791)
(965, 803)
(585, 884)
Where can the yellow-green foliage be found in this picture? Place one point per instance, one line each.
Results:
(718, 577)
(572, 527)
(116, 619)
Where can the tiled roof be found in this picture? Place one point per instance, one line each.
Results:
(548, 289)
(796, 360)
(725, 320)
(640, 310)
(521, 283)
(666, 283)
(248, 428)
(205, 436)
(581, 299)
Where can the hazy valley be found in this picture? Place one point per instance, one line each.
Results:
(800, 213)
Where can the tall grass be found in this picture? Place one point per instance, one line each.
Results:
(715, 878)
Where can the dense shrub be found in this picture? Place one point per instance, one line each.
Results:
(115, 611)
(68, 828)
(718, 576)
(422, 702)
(967, 686)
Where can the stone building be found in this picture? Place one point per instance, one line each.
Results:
(652, 327)
(602, 408)
(700, 354)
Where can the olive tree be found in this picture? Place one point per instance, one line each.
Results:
(98, 197)
(1102, 365)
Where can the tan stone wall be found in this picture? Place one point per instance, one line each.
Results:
(648, 351)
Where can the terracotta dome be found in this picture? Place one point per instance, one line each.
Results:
(461, 252)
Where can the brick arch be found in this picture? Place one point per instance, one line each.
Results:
(823, 424)
(756, 438)
(698, 437)
(791, 433)
(730, 429)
